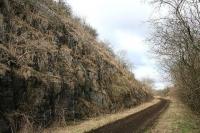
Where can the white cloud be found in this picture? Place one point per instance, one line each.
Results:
(145, 71)
(130, 42)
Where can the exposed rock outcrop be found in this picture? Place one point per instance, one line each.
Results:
(53, 69)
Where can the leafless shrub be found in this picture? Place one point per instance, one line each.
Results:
(65, 7)
(122, 58)
(86, 26)
(148, 84)
(176, 40)
(108, 46)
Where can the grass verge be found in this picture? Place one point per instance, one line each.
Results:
(178, 118)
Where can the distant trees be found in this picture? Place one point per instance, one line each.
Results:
(148, 84)
(176, 39)
(164, 92)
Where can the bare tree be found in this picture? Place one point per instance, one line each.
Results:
(122, 58)
(176, 39)
(148, 82)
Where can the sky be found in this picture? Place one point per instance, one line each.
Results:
(124, 24)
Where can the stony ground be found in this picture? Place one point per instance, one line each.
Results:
(177, 119)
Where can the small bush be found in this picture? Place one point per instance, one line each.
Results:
(86, 26)
(107, 45)
(66, 7)
(91, 30)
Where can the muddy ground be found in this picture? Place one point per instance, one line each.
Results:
(135, 123)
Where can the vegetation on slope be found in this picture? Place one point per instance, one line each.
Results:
(53, 69)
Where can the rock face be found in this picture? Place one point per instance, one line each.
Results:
(53, 69)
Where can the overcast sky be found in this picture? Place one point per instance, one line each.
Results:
(123, 24)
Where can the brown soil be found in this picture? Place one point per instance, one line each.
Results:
(138, 122)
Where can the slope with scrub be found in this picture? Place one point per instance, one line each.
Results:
(53, 69)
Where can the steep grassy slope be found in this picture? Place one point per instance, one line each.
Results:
(53, 69)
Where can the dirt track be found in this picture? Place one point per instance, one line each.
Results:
(135, 123)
